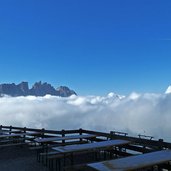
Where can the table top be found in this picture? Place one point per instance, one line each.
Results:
(133, 162)
(90, 146)
(45, 140)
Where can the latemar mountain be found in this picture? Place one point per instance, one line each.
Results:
(38, 89)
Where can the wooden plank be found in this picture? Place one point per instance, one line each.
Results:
(90, 146)
(45, 140)
(15, 140)
(40, 130)
(133, 162)
(21, 134)
(8, 131)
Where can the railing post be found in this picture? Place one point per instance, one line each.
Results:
(1, 130)
(10, 129)
(81, 132)
(24, 130)
(111, 135)
(63, 135)
(160, 144)
(43, 132)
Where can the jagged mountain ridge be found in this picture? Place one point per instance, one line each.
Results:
(38, 89)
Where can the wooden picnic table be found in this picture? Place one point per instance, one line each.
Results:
(72, 150)
(17, 139)
(133, 162)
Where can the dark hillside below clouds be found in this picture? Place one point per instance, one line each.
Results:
(38, 89)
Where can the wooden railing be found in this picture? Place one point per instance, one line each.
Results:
(142, 141)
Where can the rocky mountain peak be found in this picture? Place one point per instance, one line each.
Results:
(38, 89)
(41, 89)
(65, 91)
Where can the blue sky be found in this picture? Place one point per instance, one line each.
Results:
(92, 46)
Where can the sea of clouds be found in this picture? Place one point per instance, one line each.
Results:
(148, 114)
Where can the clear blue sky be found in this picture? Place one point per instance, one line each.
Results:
(92, 46)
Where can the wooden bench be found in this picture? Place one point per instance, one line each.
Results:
(133, 162)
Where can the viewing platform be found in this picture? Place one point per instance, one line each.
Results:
(25, 149)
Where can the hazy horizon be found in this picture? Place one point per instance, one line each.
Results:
(147, 114)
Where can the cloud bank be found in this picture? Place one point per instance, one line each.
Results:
(148, 114)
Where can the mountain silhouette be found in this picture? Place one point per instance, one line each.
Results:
(38, 89)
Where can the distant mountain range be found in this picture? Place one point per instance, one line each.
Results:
(38, 89)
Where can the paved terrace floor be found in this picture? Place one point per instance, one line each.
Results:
(19, 159)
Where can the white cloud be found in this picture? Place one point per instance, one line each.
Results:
(168, 90)
(148, 114)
